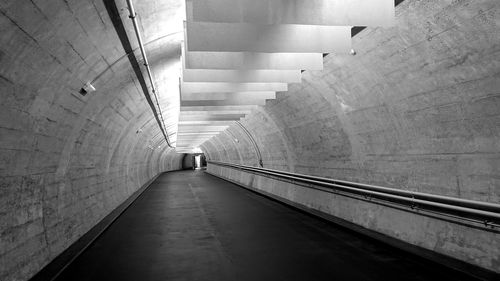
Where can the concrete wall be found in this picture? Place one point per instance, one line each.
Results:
(418, 108)
(66, 160)
(187, 161)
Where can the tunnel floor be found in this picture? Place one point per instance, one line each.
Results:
(190, 225)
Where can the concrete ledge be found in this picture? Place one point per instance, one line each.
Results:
(425, 254)
(52, 270)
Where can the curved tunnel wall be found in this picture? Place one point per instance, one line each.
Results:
(66, 160)
(417, 108)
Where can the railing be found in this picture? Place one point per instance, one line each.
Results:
(471, 210)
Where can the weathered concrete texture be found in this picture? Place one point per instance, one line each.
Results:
(417, 108)
(66, 160)
(192, 226)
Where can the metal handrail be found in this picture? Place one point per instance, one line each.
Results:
(488, 213)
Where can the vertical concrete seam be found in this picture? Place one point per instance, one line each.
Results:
(252, 140)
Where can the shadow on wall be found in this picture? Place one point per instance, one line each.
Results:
(194, 161)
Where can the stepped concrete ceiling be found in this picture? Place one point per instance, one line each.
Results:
(232, 59)
(237, 54)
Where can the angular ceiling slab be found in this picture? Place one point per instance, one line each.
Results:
(207, 87)
(198, 111)
(210, 117)
(242, 76)
(239, 109)
(207, 122)
(240, 101)
(198, 133)
(253, 60)
(202, 126)
(189, 148)
(190, 141)
(282, 38)
(198, 130)
(238, 75)
(186, 138)
(310, 12)
(224, 96)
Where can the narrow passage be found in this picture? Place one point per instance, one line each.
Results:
(190, 225)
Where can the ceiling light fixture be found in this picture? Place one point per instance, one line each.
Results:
(87, 88)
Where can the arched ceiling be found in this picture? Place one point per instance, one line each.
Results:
(416, 108)
(66, 159)
(161, 26)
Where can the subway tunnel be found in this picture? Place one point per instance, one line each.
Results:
(378, 163)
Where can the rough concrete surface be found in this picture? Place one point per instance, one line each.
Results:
(67, 160)
(417, 108)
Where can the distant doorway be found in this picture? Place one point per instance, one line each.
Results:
(199, 161)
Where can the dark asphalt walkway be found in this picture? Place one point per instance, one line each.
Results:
(192, 226)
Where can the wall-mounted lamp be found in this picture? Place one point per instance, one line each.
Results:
(87, 88)
(353, 52)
